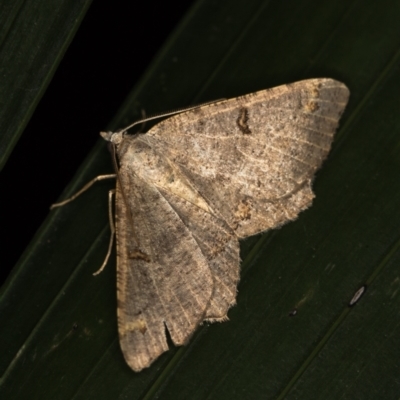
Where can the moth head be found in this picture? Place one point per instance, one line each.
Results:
(113, 137)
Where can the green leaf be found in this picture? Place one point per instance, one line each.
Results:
(34, 36)
(59, 335)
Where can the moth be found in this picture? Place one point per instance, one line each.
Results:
(195, 184)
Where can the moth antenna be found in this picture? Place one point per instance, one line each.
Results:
(168, 113)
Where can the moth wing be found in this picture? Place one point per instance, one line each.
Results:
(219, 245)
(253, 158)
(163, 279)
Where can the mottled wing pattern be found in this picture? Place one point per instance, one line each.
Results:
(253, 157)
(165, 284)
(195, 184)
(219, 245)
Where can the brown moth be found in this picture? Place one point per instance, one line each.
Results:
(195, 184)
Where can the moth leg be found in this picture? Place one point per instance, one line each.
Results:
(86, 187)
(111, 193)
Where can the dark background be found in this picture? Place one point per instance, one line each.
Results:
(111, 50)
